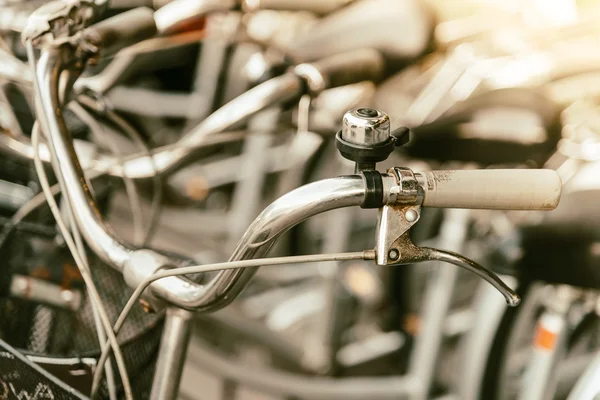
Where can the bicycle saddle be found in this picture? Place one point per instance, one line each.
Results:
(403, 31)
(565, 246)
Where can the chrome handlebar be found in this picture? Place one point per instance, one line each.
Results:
(398, 193)
(283, 214)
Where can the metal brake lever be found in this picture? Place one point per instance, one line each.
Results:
(413, 254)
(394, 247)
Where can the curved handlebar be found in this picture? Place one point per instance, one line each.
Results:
(342, 69)
(440, 188)
(123, 29)
(280, 216)
(66, 164)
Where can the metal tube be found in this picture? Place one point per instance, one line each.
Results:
(270, 93)
(175, 14)
(37, 290)
(280, 216)
(173, 350)
(281, 383)
(100, 238)
(137, 166)
(283, 214)
(168, 158)
(476, 346)
(69, 172)
(538, 378)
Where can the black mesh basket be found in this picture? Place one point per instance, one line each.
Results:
(66, 340)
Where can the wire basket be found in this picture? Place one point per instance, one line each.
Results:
(54, 333)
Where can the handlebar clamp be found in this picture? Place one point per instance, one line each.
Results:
(58, 19)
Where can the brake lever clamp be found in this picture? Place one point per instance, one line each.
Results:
(58, 19)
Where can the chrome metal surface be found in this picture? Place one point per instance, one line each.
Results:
(164, 160)
(408, 190)
(391, 225)
(282, 158)
(277, 218)
(171, 356)
(314, 78)
(178, 12)
(37, 290)
(366, 127)
(69, 172)
(152, 53)
(427, 254)
(59, 19)
(168, 158)
(99, 237)
(393, 246)
(273, 92)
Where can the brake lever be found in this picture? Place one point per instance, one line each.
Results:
(394, 247)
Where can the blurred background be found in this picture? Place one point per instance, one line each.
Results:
(480, 84)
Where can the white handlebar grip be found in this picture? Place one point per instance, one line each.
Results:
(499, 189)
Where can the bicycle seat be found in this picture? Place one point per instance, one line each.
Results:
(565, 246)
(403, 31)
(499, 127)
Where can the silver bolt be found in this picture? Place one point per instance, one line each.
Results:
(411, 215)
(393, 254)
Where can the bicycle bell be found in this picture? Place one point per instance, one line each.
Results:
(366, 139)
